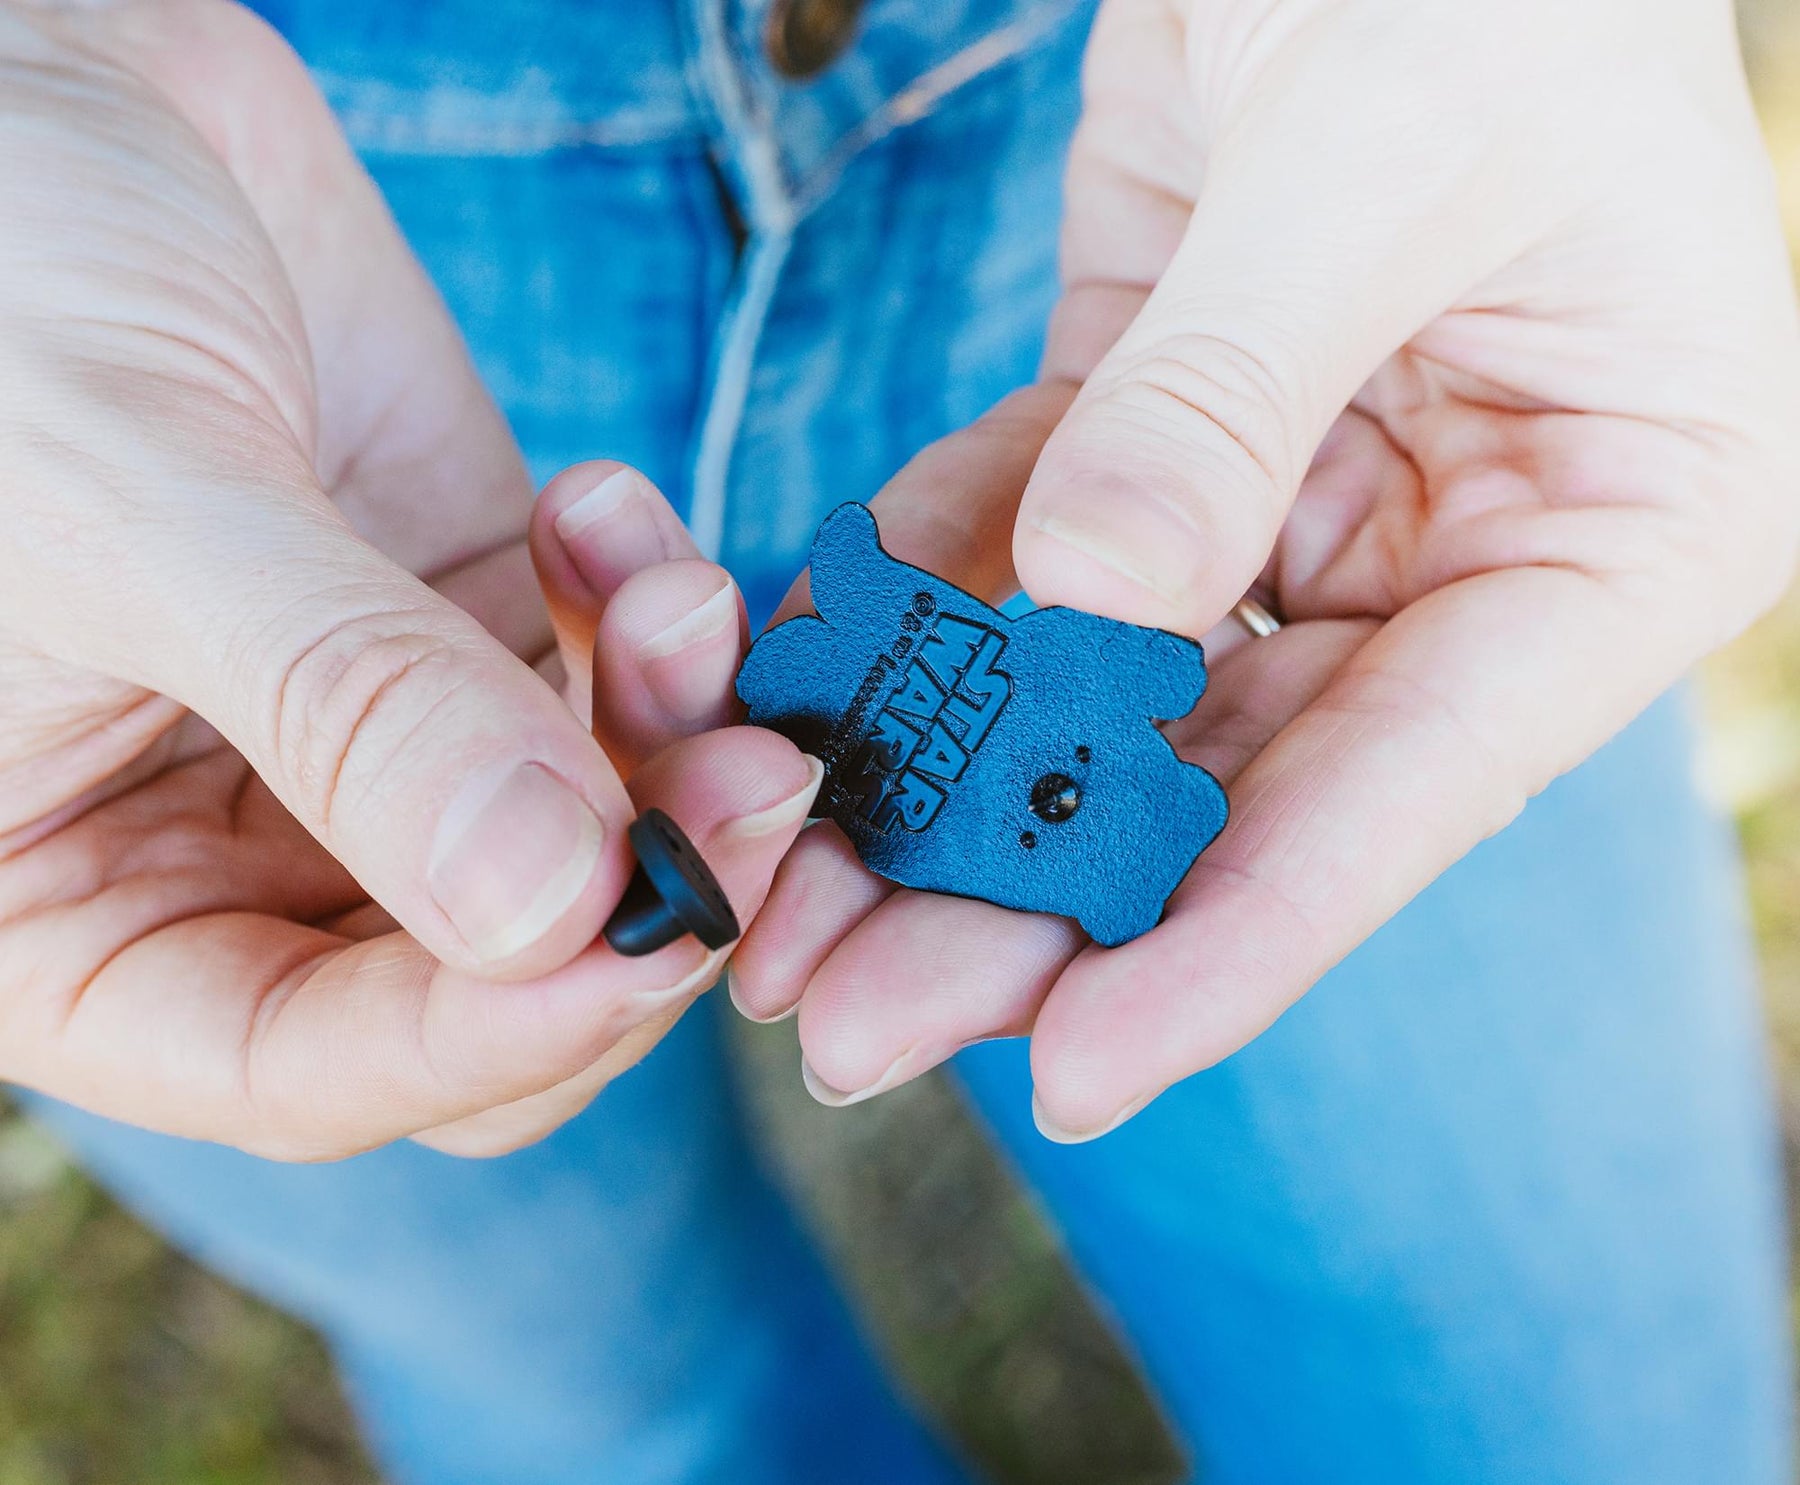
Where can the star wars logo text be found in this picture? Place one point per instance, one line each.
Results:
(932, 723)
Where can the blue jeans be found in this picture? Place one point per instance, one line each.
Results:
(1497, 1203)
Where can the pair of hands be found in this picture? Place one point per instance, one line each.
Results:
(1465, 334)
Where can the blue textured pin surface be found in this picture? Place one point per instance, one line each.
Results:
(1013, 760)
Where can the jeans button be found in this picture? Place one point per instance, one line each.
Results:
(807, 36)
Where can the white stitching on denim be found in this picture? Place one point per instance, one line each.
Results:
(918, 98)
(775, 208)
(769, 208)
(730, 390)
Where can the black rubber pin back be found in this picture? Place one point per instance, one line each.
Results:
(672, 893)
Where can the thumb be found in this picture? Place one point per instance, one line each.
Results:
(1310, 256)
(435, 765)
(450, 780)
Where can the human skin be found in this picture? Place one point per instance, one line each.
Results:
(1465, 334)
(297, 852)
(1464, 331)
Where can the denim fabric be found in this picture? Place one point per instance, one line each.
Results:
(1497, 1203)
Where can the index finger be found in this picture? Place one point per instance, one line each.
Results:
(951, 509)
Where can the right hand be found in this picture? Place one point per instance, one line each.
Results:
(280, 802)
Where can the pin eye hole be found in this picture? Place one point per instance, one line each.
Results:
(1055, 798)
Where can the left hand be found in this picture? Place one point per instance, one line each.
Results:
(296, 852)
(1465, 331)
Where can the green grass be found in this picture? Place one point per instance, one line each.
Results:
(121, 1364)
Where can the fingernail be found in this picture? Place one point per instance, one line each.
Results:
(731, 989)
(898, 1071)
(1159, 566)
(648, 1004)
(686, 687)
(1057, 1134)
(510, 861)
(789, 812)
(613, 531)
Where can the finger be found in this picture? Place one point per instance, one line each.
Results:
(821, 891)
(1259, 686)
(1159, 497)
(974, 971)
(921, 977)
(593, 527)
(951, 509)
(667, 655)
(1430, 739)
(449, 780)
(524, 1122)
(292, 1042)
(511, 1126)
(427, 759)
(499, 591)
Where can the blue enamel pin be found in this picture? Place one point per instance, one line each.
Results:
(1014, 760)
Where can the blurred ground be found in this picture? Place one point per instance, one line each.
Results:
(1752, 762)
(122, 1365)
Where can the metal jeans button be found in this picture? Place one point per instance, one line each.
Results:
(807, 36)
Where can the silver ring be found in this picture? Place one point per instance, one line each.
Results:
(1254, 617)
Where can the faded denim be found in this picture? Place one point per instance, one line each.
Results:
(1497, 1203)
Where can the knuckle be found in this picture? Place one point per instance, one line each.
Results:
(1238, 403)
(348, 702)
